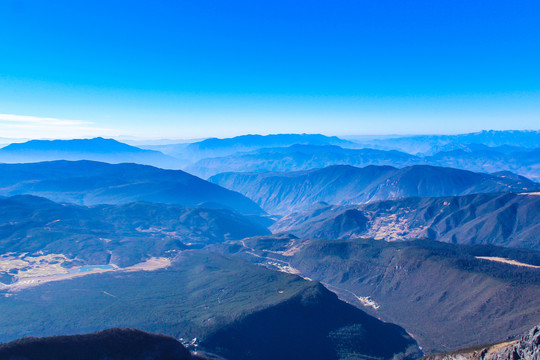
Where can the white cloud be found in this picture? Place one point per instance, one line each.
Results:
(41, 120)
(34, 127)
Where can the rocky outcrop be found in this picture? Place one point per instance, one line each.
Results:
(526, 348)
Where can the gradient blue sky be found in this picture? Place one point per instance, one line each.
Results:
(191, 69)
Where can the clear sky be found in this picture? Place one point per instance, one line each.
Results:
(191, 69)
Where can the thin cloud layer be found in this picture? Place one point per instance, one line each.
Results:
(28, 126)
(41, 120)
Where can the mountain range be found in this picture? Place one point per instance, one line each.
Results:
(97, 149)
(298, 157)
(91, 183)
(447, 296)
(431, 144)
(472, 157)
(222, 147)
(508, 219)
(189, 153)
(373, 248)
(286, 152)
(283, 193)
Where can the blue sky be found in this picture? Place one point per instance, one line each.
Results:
(191, 69)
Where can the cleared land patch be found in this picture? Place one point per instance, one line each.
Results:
(507, 261)
(25, 271)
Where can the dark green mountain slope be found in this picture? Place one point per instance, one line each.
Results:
(283, 193)
(232, 307)
(112, 344)
(118, 234)
(443, 294)
(97, 149)
(507, 219)
(90, 183)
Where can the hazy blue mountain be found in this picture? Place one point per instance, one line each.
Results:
(283, 193)
(119, 234)
(190, 152)
(430, 144)
(97, 149)
(111, 344)
(445, 295)
(214, 147)
(298, 157)
(522, 161)
(234, 309)
(90, 183)
(507, 219)
(472, 157)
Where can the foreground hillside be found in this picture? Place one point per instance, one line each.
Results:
(91, 183)
(113, 344)
(112, 234)
(447, 296)
(525, 348)
(507, 219)
(282, 193)
(233, 308)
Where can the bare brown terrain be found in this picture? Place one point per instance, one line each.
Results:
(37, 270)
(507, 261)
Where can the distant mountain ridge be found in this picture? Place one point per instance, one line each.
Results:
(430, 144)
(472, 157)
(283, 193)
(298, 157)
(214, 147)
(260, 141)
(292, 152)
(91, 183)
(96, 149)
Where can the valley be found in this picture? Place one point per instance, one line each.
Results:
(269, 180)
(390, 260)
(443, 294)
